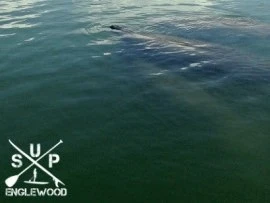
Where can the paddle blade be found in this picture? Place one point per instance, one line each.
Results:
(11, 180)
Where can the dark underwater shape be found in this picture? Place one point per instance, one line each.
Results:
(115, 27)
(196, 60)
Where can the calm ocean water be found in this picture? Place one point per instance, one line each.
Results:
(175, 109)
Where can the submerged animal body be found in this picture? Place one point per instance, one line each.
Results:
(171, 53)
(162, 42)
(157, 37)
(188, 69)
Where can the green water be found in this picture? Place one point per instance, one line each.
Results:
(174, 110)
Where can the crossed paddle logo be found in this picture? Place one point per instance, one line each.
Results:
(11, 181)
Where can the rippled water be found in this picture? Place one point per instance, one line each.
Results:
(173, 109)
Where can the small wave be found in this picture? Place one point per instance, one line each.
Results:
(7, 35)
(101, 42)
(29, 39)
(18, 24)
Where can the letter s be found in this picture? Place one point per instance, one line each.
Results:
(17, 162)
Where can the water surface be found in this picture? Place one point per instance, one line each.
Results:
(177, 110)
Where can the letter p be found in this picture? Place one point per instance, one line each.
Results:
(53, 159)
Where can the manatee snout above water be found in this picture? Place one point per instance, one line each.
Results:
(115, 27)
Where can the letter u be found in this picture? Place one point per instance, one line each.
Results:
(37, 153)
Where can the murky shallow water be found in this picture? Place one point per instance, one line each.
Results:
(176, 110)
